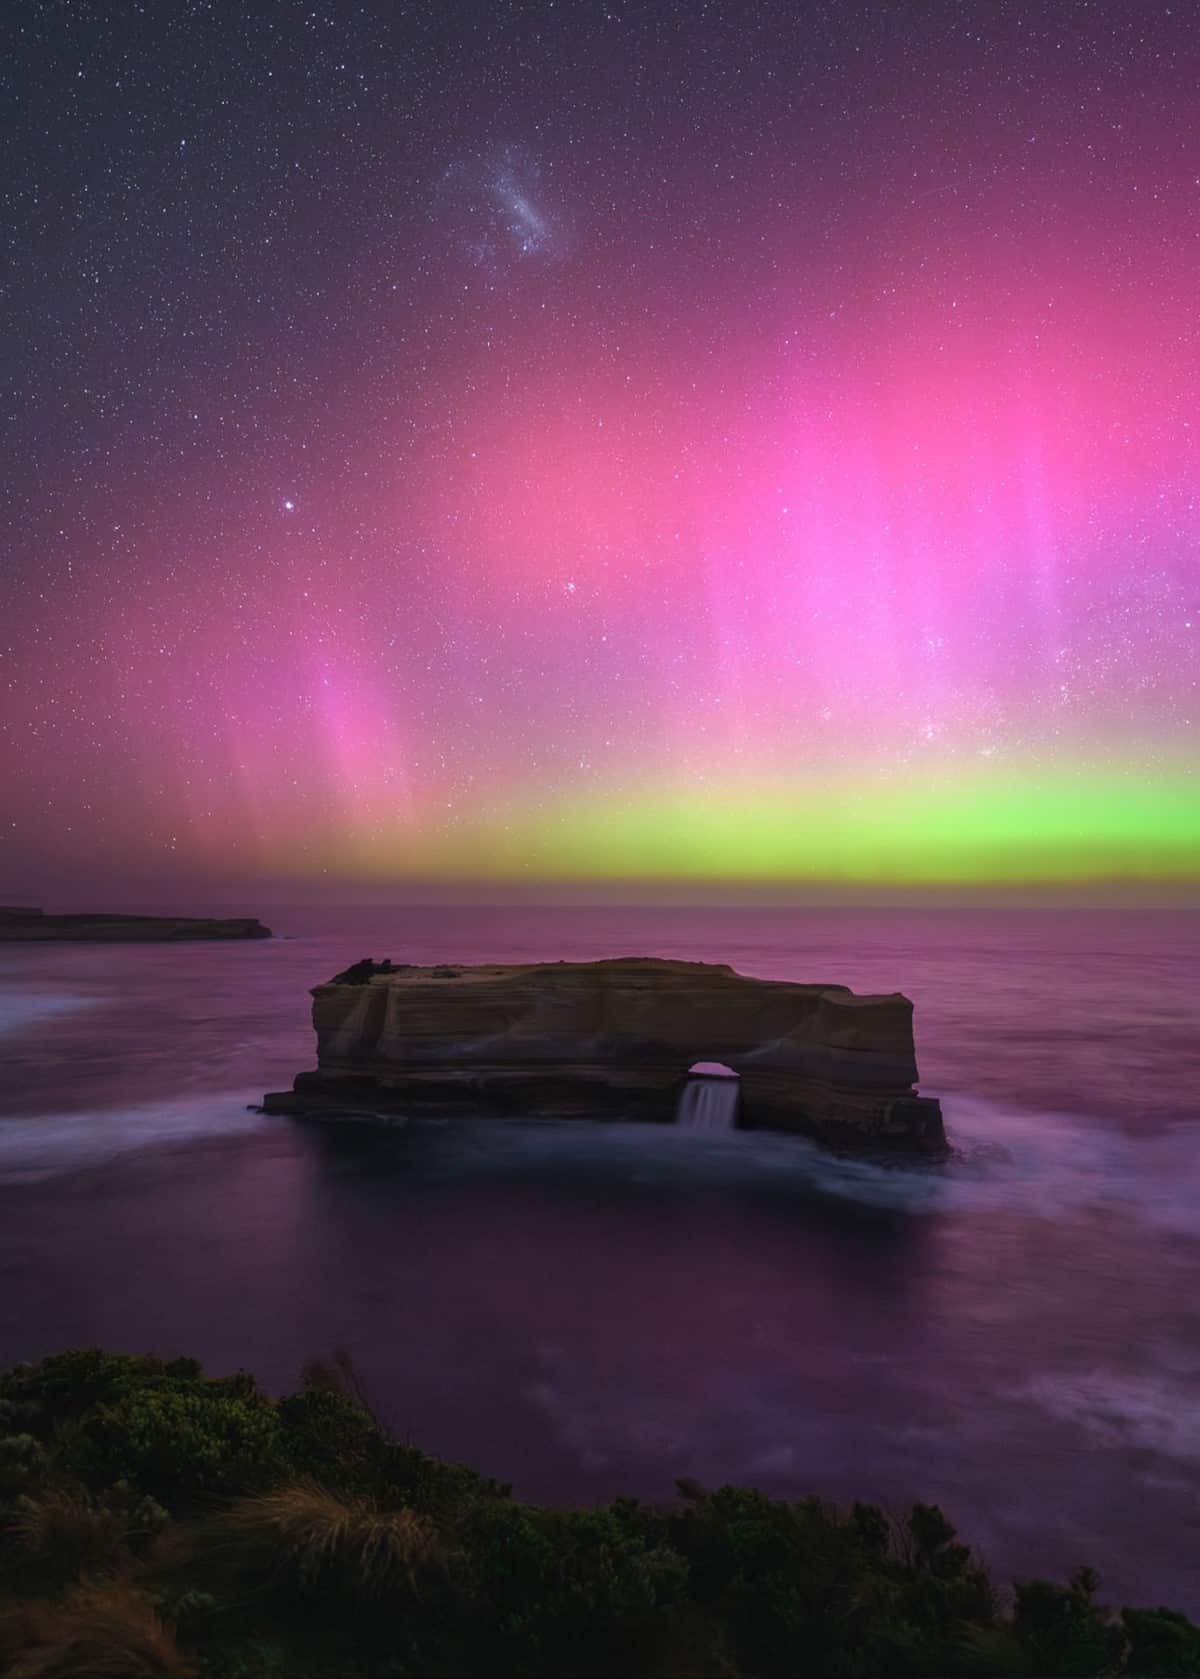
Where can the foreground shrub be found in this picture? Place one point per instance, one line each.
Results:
(303, 1543)
(443, 1490)
(859, 1595)
(181, 1445)
(787, 1576)
(571, 1592)
(1162, 1644)
(327, 1436)
(1064, 1630)
(66, 1384)
(161, 1427)
(98, 1632)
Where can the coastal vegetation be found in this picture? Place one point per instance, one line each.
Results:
(156, 1523)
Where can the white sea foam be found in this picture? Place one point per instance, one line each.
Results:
(1039, 1164)
(1057, 1162)
(1143, 1412)
(1005, 1159)
(40, 1146)
(21, 1008)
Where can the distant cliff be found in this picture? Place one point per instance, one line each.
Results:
(27, 925)
(614, 1039)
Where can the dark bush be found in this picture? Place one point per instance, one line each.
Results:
(570, 1592)
(437, 1488)
(1162, 1644)
(1064, 1630)
(329, 1437)
(22, 1460)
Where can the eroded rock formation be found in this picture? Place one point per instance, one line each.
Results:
(614, 1039)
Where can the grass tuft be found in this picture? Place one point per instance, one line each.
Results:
(97, 1632)
(305, 1538)
(65, 1533)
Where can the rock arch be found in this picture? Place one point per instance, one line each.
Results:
(580, 1039)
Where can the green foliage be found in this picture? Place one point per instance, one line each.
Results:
(22, 1459)
(160, 1426)
(1064, 1630)
(859, 1595)
(565, 1591)
(940, 1592)
(786, 1576)
(190, 1611)
(181, 1443)
(328, 1436)
(70, 1383)
(294, 1538)
(253, 1659)
(988, 1652)
(1162, 1643)
(872, 1529)
(429, 1485)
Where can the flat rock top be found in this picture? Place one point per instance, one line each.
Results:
(657, 972)
(617, 968)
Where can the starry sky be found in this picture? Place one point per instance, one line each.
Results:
(548, 443)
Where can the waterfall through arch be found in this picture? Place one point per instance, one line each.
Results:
(709, 1099)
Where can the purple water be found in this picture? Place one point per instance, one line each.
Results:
(590, 1309)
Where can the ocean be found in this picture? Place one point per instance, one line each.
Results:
(587, 1309)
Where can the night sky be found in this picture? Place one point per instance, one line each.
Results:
(555, 443)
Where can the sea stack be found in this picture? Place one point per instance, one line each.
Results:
(614, 1039)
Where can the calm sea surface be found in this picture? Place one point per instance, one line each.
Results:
(588, 1310)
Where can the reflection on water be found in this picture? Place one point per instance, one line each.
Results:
(588, 1309)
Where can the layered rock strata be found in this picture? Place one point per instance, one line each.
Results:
(26, 925)
(614, 1039)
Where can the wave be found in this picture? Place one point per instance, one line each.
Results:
(51, 1145)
